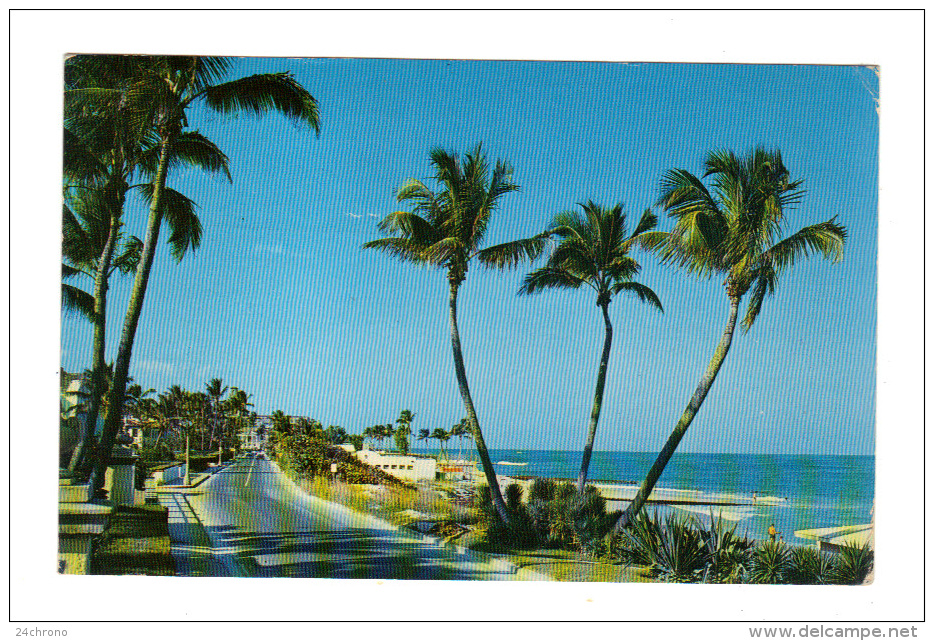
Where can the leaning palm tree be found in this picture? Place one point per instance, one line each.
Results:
(734, 230)
(594, 251)
(446, 229)
(164, 88)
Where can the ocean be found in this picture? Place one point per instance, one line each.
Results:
(818, 491)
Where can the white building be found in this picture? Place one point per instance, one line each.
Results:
(408, 467)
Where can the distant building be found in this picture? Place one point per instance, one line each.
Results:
(408, 467)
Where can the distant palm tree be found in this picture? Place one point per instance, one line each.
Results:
(461, 430)
(423, 435)
(732, 230)
(405, 426)
(442, 436)
(162, 90)
(446, 229)
(594, 251)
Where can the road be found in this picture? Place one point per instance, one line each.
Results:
(251, 520)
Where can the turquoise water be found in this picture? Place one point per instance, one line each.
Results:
(820, 491)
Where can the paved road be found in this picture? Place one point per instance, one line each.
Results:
(251, 520)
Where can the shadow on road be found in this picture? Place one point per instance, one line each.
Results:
(359, 553)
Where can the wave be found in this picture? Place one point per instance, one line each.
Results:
(509, 463)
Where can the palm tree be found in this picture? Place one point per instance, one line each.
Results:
(105, 147)
(733, 230)
(423, 435)
(446, 229)
(461, 430)
(594, 251)
(164, 88)
(405, 427)
(215, 390)
(441, 435)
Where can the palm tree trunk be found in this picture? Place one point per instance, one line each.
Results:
(133, 312)
(97, 349)
(706, 382)
(597, 398)
(461, 373)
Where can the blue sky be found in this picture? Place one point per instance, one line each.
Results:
(282, 301)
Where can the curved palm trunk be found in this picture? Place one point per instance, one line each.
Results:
(597, 399)
(461, 373)
(706, 382)
(134, 310)
(97, 350)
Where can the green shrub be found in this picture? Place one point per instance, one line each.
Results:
(770, 562)
(852, 565)
(727, 554)
(810, 567)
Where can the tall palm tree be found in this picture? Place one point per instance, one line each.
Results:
(163, 89)
(105, 148)
(89, 243)
(594, 251)
(446, 229)
(734, 230)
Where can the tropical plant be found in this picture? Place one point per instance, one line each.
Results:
(810, 566)
(673, 548)
(161, 91)
(106, 147)
(594, 251)
(460, 430)
(446, 229)
(770, 562)
(727, 554)
(404, 431)
(732, 230)
(853, 564)
(423, 435)
(442, 436)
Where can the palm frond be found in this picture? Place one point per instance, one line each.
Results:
(190, 148)
(640, 291)
(766, 280)
(404, 249)
(265, 92)
(648, 221)
(410, 225)
(178, 211)
(128, 260)
(827, 238)
(549, 278)
(77, 301)
(511, 254)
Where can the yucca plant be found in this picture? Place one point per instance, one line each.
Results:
(681, 557)
(770, 562)
(673, 549)
(809, 566)
(727, 554)
(852, 565)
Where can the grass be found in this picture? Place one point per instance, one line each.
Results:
(135, 541)
(564, 565)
